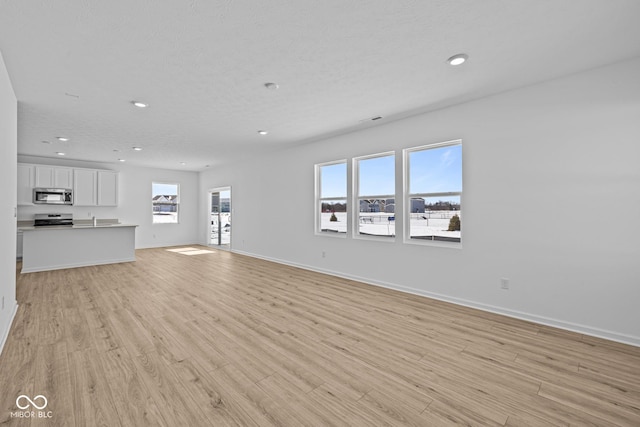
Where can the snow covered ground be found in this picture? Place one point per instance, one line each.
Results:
(340, 226)
(165, 217)
(423, 226)
(433, 224)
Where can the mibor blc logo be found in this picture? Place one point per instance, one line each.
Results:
(31, 407)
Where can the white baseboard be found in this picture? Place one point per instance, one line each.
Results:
(75, 265)
(573, 327)
(5, 334)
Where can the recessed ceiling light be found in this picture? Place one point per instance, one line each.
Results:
(137, 148)
(116, 150)
(183, 163)
(59, 153)
(271, 86)
(121, 160)
(458, 59)
(46, 142)
(263, 132)
(140, 104)
(62, 138)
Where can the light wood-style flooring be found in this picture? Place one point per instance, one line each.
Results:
(223, 339)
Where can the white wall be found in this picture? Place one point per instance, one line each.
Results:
(551, 201)
(134, 189)
(8, 173)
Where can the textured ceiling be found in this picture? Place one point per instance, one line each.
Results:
(76, 65)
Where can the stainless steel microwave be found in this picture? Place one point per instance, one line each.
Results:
(52, 196)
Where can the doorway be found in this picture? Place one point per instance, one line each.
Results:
(220, 217)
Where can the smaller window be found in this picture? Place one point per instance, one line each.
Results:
(433, 192)
(331, 199)
(165, 201)
(375, 200)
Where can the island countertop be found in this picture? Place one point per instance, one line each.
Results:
(73, 227)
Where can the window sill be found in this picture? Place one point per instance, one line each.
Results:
(332, 234)
(372, 237)
(433, 243)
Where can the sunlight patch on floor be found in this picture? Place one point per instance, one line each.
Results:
(190, 251)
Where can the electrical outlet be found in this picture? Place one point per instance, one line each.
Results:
(504, 283)
(324, 254)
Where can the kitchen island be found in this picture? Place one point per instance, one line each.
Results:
(58, 247)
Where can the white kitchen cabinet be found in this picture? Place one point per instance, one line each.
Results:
(25, 184)
(85, 187)
(107, 188)
(63, 178)
(44, 176)
(53, 177)
(95, 187)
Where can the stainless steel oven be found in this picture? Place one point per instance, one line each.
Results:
(52, 196)
(48, 220)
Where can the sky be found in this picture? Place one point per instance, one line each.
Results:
(377, 176)
(436, 170)
(333, 180)
(164, 189)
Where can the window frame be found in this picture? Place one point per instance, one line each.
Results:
(407, 195)
(177, 221)
(319, 199)
(356, 198)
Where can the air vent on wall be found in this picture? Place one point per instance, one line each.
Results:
(370, 119)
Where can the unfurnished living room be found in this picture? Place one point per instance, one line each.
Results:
(320, 213)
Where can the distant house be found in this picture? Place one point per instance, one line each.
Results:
(370, 205)
(165, 203)
(390, 206)
(417, 205)
(378, 205)
(220, 205)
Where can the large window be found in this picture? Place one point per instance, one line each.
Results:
(433, 191)
(375, 189)
(331, 199)
(165, 200)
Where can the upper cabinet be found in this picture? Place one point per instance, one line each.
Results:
(107, 188)
(85, 190)
(62, 177)
(91, 187)
(53, 177)
(26, 180)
